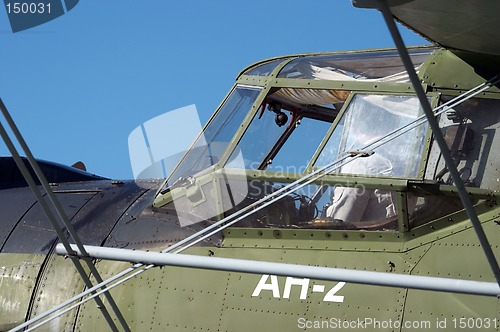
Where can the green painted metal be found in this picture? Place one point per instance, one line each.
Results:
(18, 277)
(444, 72)
(58, 281)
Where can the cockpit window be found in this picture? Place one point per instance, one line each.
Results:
(297, 151)
(287, 130)
(471, 130)
(258, 139)
(364, 127)
(383, 65)
(210, 146)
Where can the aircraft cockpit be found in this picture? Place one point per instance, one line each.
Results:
(334, 141)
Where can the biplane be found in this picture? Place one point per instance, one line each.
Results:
(343, 190)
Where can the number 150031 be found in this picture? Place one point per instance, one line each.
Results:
(28, 8)
(474, 323)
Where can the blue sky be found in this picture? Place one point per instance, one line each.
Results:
(78, 85)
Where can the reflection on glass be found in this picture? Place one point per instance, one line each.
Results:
(382, 65)
(367, 120)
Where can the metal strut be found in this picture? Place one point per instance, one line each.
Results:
(434, 125)
(387, 279)
(60, 212)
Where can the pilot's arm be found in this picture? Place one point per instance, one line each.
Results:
(359, 203)
(349, 204)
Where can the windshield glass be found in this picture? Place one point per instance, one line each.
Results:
(369, 118)
(210, 146)
(297, 151)
(257, 141)
(287, 130)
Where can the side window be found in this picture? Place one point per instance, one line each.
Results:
(365, 125)
(370, 118)
(312, 207)
(471, 130)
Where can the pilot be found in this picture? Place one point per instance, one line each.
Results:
(352, 204)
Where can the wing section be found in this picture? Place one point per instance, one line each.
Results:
(465, 25)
